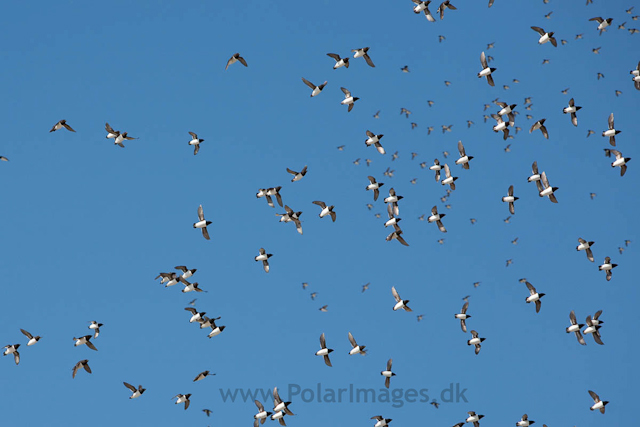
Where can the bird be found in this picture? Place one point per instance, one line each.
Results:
(326, 210)
(279, 404)
(96, 326)
(313, 295)
(473, 220)
(450, 180)
(598, 404)
(592, 195)
(393, 199)
(464, 159)
(540, 125)
(463, 316)
(405, 69)
(4, 159)
(183, 398)
(340, 62)
(602, 25)
(393, 220)
(61, 124)
(620, 161)
(324, 351)
(436, 167)
(590, 132)
(535, 177)
(195, 315)
(600, 76)
(434, 402)
(545, 37)
(363, 52)
(357, 349)
(381, 421)
(274, 191)
(190, 287)
(215, 329)
(202, 375)
(607, 266)
(400, 303)
(202, 224)
(297, 176)
(324, 308)
(507, 110)
(235, 58)
(122, 137)
(396, 234)
(81, 364)
(377, 115)
(348, 99)
(32, 339)
(195, 141)
(375, 186)
(85, 340)
(423, 6)
(405, 112)
(137, 392)
(507, 149)
(486, 70)
(501, 125)
(207, 412)
(534, 297)
(510, 198)
(12, 349)
(524, 421)
(278, 416)
(611, 132)
(110, 132)
(374, 140)
(365, 287)
(264, 257)
(315, 89)
(387, 374)
(596, 50)
(585, 246)
(515, 241)
(445, 4)
(548, 190)
(437, 218)
(261, 416)
(593, 329)
(475, 341)
(509, 262)
(186, 273)
(636, 76)
(572, 109)
(575, 327)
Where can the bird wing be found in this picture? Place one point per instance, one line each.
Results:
(483, 61)
(538, 30)
(200, 213)
(369, 61)
(334, 56)
(205, 233)
(308, 83)
(321, 204)
(461, 149)
(395, 294)
(193, 135)
(532, 290)
(352, 340)
(323, 343)
(242, 61)
(26, 333)
(129, 386)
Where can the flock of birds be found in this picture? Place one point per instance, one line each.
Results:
(505, 119)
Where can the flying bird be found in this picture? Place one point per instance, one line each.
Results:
(585, 246)
(449, 180)
(572, 109)
(437, 218)
(475, 341)
(463, 316)
(374, 140)
(548, 190)
(593, 329)
(315, 89)
(387, 374)
(400, 303)
(611, 132)
(534, 297)
(202, 224)
(423, 6)
(61, 124)
(486, 70)
(264, 257)
(598, 404)
(85, 340)
(620, 161)
(510, 198)
(326, 210)
(607, 266)
(445, 4)
(32, 339)
(12, 349)
(235, 58)
(348, 99)
(340, 62)
(297, 176)
(545, 37)
(357, 349)
(324, 351)
(363, 52)
(183, 398)
(81, 364)
(375, 186)
(575, 327)
(137, 392)
(464, 159)
(602, 25)
(195, 141)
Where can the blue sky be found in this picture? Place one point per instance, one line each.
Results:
(86, 225)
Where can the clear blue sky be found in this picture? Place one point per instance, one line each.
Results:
(87, 225)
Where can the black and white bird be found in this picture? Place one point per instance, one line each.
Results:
(463, 316)
(264, 257)
(400, 303)
(534, 296)
(548, 190)
(575, 327)
(235, 58)
(585, 246)
(602, 25)
(183, 398)
(593, 329)
(525, 421)
(324, 351)
(607, 266)
(535, 176)
(297, 176)
(340, 62)
(445, 4)
(81, 364)
(464, 159)
(486, 70)
(423, 6)
(375, 186)
(611, 132)
(510, 198)
(12, 349)
(85, 340)
(326, 210)
(373, 139)
(195, 141)
(475, 341)
(137, 392)
(598, 404)
(545, 37)
(572, 109)
(315, 89)
(61, 124)
(202, 223)
(450, 180)
(363, 52)
(620, 161)
(437, 218)
(387, 374)
(32, 339)
(261, 416)
(356, 349)
(348, 98)
(540, 125)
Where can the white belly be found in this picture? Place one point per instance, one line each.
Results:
(355, 350)
(461, 160)
(200, 224)
(610, 132)
(315, 92)
(474, 341)
(322, 352)
(398, 306)
(484, 72)
(544, 39)
(504, 111)
(508, 199)
(348, 100)
(573, 328)
(447, 180)
(618, 162)
(435, 167)
(215, 332)
(546, 191)
(500, 126)
(260, 415)
(387, 374)
(534, 297)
